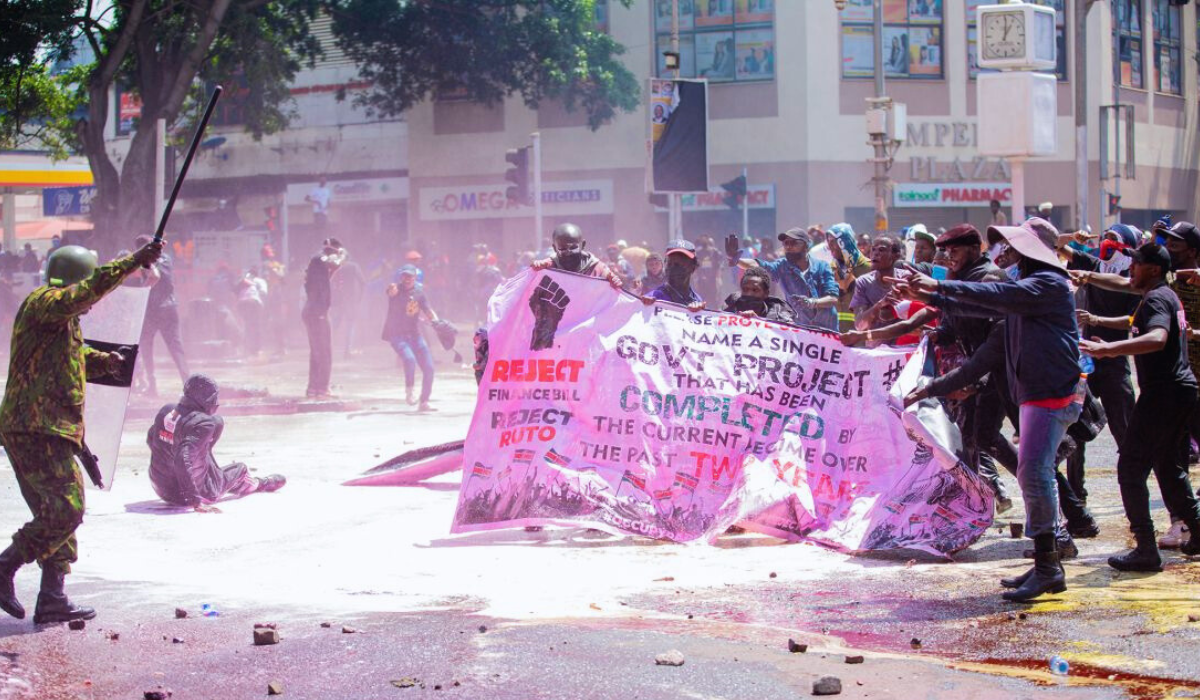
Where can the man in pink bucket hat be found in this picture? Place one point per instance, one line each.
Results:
(1042, 365)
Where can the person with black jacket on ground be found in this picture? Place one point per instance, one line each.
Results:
(183, 470)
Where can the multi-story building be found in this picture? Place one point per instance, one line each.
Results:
(788, 84)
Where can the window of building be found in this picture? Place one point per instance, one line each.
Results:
(721, 40)
(912, 39)
(1168, 69)
(1060, 35)
(1129, 30)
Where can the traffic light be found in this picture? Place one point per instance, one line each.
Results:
(736, 189)
(517, 174)
(1114, 204)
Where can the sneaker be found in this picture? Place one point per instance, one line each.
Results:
(425, 408)
(409, 397)
(1176, 536)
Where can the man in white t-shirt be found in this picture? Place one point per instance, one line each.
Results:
(319, 198)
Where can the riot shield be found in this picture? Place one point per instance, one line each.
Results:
(113, 322)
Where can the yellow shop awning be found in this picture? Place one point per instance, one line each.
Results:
(34, 171)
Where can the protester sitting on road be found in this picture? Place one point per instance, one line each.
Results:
(756, 301)
(183, 470)
(807, 284)
(1160, 417)
(407, 305)
(1042, 367)
(681, 264)
(571, 255)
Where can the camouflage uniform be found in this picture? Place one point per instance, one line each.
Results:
(41, 419)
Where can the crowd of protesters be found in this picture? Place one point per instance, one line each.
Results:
(1023, 322)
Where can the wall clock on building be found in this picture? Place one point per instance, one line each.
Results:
(1017, 36)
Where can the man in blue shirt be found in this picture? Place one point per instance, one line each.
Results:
(807, 284)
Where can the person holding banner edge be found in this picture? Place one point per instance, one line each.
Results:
(41, 420)
(1039, 308)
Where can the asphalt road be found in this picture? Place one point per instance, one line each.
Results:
(567, 613)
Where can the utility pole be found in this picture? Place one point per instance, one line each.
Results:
(746, 204)
(674, 200)
(880, 139)
(1116, 62)
(1082, 186)
(536, 138)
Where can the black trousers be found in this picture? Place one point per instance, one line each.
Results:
(163, 321)
(1159, 425)
(320, 351)
(1110, 383)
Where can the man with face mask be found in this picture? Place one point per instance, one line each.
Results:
(571, 255)
(756, 301)
(1042, 368)
(681, 264)
(183, 470)
(807, 284)
(1110, 378)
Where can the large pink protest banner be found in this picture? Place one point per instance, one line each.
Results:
(598, 410)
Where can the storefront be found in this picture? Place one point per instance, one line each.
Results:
(482, 213)
(369, 214)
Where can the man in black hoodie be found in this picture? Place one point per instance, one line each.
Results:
(183, 471)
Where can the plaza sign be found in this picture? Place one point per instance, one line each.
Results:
(951, 194)
(488, 201)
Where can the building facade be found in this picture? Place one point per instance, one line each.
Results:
(788, 85)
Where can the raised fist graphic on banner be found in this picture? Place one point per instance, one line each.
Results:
(547, 303)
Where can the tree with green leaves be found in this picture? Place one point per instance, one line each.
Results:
(485, 50)
(167, 51)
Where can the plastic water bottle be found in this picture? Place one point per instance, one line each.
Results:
(1059, 666)
(208, 611)
(1086, 364)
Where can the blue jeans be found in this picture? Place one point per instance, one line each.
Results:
(1042, 429)
(413, 352)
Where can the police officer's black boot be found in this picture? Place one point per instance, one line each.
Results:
(52, 603)
(1144, 557)
(10, 561)
(1047, 575)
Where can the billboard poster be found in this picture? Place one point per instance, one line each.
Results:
(716, 56)
(687, 55)
(858, 11)
(662, 15)
(755, 11)
(895, 52)
(858, 52)
(755, 54)
(714, 13)
(925, 51)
